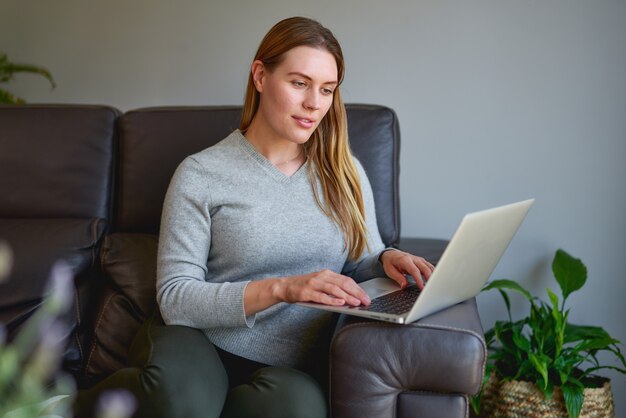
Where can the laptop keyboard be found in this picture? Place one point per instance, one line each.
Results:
(396, 303)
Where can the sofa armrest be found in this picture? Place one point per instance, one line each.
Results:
(169, 369)
(374, 364)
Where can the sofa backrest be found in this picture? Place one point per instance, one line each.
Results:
(55, 197)
(153, 141)
(55, 161)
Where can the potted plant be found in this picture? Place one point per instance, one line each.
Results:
(7, 72)
(542, 365)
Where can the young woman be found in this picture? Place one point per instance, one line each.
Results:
(276, 213)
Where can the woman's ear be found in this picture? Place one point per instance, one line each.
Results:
(258, 75)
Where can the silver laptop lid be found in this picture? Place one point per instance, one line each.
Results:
(470, 258)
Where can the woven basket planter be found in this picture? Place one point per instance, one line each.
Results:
(517, 399)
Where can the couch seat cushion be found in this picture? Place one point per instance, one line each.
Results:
(128, 299)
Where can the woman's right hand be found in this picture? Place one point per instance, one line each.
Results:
(323, 286)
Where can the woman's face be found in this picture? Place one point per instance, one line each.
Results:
(296, 95)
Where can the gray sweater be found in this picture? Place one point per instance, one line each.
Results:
(231, 217)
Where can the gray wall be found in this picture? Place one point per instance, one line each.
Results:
(498, 101)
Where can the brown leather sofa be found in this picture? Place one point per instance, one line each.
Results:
(86, 184)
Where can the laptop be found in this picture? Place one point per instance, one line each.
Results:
(464, 268)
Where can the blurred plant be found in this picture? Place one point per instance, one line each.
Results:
(116, 404)
(544, 348)
(7, 72)
(31, 383)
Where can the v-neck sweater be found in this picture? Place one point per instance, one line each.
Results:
(231, 217)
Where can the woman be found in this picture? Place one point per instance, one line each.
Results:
(276, 213)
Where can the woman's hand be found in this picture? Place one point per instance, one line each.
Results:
(398, 263)
(324, 286)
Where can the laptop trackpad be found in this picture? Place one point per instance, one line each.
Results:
(379, 286)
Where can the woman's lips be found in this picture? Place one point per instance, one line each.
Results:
(304, 122)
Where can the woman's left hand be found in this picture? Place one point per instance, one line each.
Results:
(398, 263)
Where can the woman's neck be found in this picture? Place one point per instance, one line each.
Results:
(279, 152)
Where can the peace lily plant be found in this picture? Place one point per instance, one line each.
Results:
(544, 348)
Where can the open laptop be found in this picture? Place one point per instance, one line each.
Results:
(465, 266)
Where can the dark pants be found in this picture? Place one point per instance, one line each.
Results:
(176, 372)
(257, 390)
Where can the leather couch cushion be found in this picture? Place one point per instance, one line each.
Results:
(375, 140)
(128, 299)
(153, 142)
(36, 245)
(56, 161)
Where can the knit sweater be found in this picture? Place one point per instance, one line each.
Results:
(230, 217)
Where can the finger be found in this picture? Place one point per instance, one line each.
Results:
(425, 267)
(319, 295)
(330, 300)
(411, 266)
(338, 292)
(430, 267)
(347, 289)
(419, 279)
(397, 276)
(352, 289)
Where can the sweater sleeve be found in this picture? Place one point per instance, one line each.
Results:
(185, 294)
(367, 266)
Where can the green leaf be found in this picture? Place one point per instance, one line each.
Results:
(542, 368)
(618, 353)
(7, 97)
(558, 323)
(554, 299)
(549, 390)
(508, 285)
(564, 365)
(596, 344)
(521, 342)
(569, 272)
(11, 69)
(592, 370)
(583, 332)
(507, 302)
(574, 397)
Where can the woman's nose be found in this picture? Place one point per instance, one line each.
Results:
(312, 100)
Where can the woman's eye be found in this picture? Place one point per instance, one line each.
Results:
(298, 83)
(327, 91)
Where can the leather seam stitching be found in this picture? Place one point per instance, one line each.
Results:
(95, 331)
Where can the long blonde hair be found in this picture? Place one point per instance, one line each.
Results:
(328, 151)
